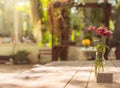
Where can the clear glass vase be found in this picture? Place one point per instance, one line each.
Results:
(100, 56)
(99, 62)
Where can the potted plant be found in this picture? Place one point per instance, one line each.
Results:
(21, 57)
(100, 46)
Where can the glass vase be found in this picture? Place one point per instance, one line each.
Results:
(99, 62)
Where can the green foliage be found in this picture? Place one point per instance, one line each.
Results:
(43, 10)
(23, 7)
(21, 57)
(96, 16)
(45, 36)
(77, 18)
(87, 36)
(99, 60)
(111, 25)
(77, 24)
(100, 47)
(118, 5)
(21, 54)
(73, 36)
(99, 65)
(46, 39)
(47, 42)
(50, 41)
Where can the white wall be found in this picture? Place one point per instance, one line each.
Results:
(6, 49)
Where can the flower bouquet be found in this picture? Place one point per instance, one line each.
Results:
(104, 32)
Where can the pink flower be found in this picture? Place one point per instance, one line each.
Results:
(101, 30)
(91, 28)
(107, 33)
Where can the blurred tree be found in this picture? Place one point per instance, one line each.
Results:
(22, 16)
(36, 18)
(115, 40)
(45, 27)
(59, 19)
(40, 20)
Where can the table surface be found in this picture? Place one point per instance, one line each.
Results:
(61, 74)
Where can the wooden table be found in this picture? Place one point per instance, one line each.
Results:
(64, 74)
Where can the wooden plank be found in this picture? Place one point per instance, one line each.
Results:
(43, 76)
(116, 63)
(65, 63)
(58, 76)
(80, 80)
(78, 74)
